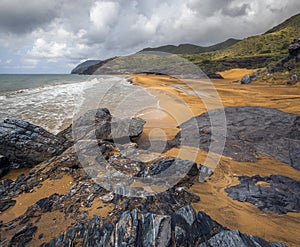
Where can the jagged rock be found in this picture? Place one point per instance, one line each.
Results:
(135, 229)
(6, 203)
(154, 230)
(184, 170)
(23, 236)
(4, 165)
(26, 144)
(251, 131)
(126, 229)
(275, 193)
(66, 134)
(246, 79)
(236, 239)
(204, 173)
(190, 228)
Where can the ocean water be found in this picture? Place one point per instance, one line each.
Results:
(51, 101)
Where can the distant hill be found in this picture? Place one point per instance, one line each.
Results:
(291, 23)
(253, 52)
(192, 49)
(273, 42)
(79, 69)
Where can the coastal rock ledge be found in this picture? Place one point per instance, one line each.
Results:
(25, 144)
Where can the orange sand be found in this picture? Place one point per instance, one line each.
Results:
(214, 201)
(23, 201)
(236, 74)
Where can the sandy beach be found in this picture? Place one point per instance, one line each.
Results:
(178, 103)
(214, 200)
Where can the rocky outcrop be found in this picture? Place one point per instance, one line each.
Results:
(251, 131)
(247, 79)
(235, 238)
(80, 68)
(101, 125)
(136, 229)
(274, 193)
(25, 144)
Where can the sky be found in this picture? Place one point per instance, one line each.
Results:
(53, 36)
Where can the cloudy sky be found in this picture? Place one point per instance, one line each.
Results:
(52, 36)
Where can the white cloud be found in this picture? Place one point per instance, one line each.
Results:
(104, 14)
(41, 32)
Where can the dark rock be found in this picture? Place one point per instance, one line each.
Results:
(126, 229)
(23, 236)
(168, 167)
(27, 144)
(246, 79)
(294, 48)
(204, 173)
(66, 134)
(100, 125)
(275, 193)
(6, 204)
(236, 239)
(154, 230)
(21, 178)
(213, 75)
(133, 228)
(251, 131)
(4, 165)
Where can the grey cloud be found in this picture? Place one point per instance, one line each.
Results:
(236, 11)
(17, 16)
(136, 24)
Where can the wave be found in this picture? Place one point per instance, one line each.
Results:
(53, 106)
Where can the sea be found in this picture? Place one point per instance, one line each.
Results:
(53, 101)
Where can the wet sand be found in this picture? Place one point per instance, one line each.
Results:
(214, 201)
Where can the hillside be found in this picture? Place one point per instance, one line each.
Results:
(273, 42)
(253, 52)
(80, 68)
(192, 49)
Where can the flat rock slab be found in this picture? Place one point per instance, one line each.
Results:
(251, 131)
(274, 193)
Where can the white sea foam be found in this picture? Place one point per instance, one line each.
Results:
(52, 106)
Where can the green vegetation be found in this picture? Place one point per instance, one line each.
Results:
(192, 49)
(272, 45)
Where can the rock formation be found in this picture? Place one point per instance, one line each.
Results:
(251, 131)
(25, 144)
(274, 193)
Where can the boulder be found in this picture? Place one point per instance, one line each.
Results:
(204, 173)
(26, 144)
(246, 79)
(99, 124)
